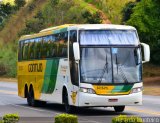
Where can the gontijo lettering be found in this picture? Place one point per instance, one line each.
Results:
(35, 67)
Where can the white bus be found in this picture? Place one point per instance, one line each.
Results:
(86, 65)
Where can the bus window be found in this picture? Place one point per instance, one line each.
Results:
(38, 48)
(43, 47)
(48, 47)
(20, 51)
(25, 50)
(53, 46)
(31, 49)
(73, 64)
(62, 48)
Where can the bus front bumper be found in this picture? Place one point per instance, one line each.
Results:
(89, 100)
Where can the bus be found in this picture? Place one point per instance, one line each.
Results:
(82, 65)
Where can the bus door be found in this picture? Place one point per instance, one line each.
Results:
(74, 74)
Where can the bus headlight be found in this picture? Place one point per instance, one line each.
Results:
(87, 90)
(136, 90)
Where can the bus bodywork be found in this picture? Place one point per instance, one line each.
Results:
(82, 65)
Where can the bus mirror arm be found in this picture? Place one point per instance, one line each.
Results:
(76, 51)
(146, 52)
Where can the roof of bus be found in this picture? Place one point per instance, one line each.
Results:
(66, 27)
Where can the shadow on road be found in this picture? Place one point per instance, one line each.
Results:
(80, 111)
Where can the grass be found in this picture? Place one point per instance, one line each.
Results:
(112, 8)
(150, 70)
(17, 21)
(152, 90)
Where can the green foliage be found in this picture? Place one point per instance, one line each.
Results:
(66, 118)
(58, 12)
(112, 8)
(10, 118)
(94, 18)
(1, 121)
(19, 3)
(145, 18)
(125, 119)
(8, 60)
(5, 11)
(54, 2)
(128, 10)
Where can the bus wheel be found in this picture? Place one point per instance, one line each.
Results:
(30, 98)
(119, 108)
(68, 108)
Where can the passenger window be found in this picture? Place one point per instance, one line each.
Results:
(31, 49)
(20, 50)
(25, 50)
(38, 53)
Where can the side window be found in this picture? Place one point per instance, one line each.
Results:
(20, 46)
(73, 64)
(38, 53)
(25, 50)
(57, 44)
(31, 49)
(62, 49)
(53, 46)
(44, 47)
(48, 46)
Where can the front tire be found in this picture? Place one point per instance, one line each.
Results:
(68, 108)
(119, 108)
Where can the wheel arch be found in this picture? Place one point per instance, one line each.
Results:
(64, 90)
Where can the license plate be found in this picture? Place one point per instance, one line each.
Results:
(112, 100)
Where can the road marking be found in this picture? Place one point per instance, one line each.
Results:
(9, 92)
(144, 111)
(35, 109)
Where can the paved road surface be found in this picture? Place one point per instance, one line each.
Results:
(11, 103)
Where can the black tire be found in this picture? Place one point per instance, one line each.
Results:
(119, 108)
(30, 99)
(68, 108)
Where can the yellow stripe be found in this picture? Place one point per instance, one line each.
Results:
(144, 111)
(9, 92)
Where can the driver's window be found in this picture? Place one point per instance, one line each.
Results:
(73, 64)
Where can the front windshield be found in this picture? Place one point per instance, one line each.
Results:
(108, 37)
(110, 65)
(96, 65)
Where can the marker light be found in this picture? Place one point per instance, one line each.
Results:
(87, 90)
(136, 90)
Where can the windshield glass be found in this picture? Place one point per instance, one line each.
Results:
(108, 37)
(96, 65)
(110, 65)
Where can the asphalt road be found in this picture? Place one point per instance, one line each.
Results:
(11, 103)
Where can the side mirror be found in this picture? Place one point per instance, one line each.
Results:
(146, 52)
(76, 51)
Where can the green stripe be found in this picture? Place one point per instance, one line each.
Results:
(60, 30)
(50, 76)
(122, 88)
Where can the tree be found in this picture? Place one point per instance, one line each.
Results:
(94, 18)
(128, 10)
(19, 3)
(146, 18)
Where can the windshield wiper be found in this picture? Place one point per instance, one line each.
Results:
(121, 71)
(117, 63)
(104, 70)
(123, 75)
